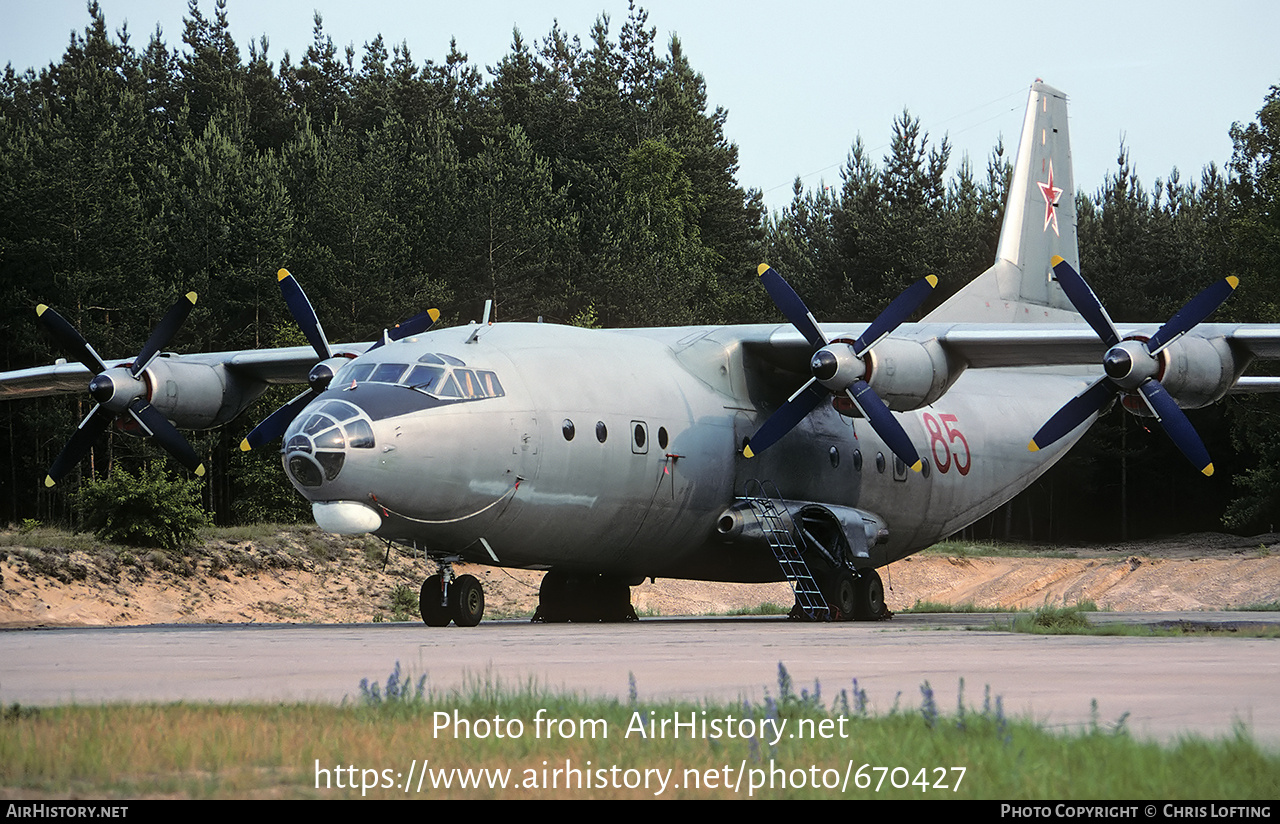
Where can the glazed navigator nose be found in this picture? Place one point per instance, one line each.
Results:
(316, 444)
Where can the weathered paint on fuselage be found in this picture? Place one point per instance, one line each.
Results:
(675, 406)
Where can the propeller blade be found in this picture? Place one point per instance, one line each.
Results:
(793, 308)
(303, 314)
(804, 401)
(1085, 301)
(277, 422)
(82, 440)
(1073, 413)
(415, 325)
(1197, 309)
(72, 342)
(159, 428)
(896, 313)
(1175, 424)
(884, 423)
(164, 332)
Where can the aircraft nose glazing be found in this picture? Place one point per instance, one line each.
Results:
(317, 442)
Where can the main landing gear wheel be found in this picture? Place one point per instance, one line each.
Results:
(845, 592)
(434, 614)
(584, 598)
(869, 601)
(466, 601)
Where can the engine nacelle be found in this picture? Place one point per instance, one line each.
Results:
(910, 374)
(1199, 371)
(198, 395)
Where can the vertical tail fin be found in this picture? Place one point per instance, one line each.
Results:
(1039, 223)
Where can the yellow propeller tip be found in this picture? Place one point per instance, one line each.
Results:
(282, 274)
(933, 280)
(200, 471)
(244, 445)
(434, 314)
(1233, 281)
(49, 481)
(1208, 470)
(41, 309)
(1033, 447)
(917, 466)
(191, 296)
(1055, 260)
(761, 269)
(747, 453)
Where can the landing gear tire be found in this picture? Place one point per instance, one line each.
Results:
(583, 599)
(466, 600)
(429, 606)
(869, 603)
(845, 595)
(552, 598)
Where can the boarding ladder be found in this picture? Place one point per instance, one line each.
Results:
(780, 530)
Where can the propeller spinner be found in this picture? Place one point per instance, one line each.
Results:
(1133, 365)
(838, 368)
(119, 390)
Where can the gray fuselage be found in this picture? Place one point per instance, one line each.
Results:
(615, 451)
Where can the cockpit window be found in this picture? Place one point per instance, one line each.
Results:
(435, 374)
(425, 378)
(489, 381)
(353, 373)
(448, 388)
(388, 372)
(468, 384)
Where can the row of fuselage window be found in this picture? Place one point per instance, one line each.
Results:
(639, 434)
(639, 440)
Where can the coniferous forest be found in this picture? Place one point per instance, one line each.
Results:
(579, 180)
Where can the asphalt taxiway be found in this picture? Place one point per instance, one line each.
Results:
(1167, 686)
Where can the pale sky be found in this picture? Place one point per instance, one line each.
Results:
(800, 79)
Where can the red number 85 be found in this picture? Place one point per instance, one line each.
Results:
(943, 447)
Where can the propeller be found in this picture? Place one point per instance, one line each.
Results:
(1132, 365)
(322, 373)
(838, 367)
(119, 390)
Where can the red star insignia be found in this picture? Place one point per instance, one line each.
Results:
(1051, 194)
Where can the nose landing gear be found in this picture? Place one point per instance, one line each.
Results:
(444, 598)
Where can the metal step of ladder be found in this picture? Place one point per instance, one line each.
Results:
(780, 530)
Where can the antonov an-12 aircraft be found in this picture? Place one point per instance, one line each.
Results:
(814, 452)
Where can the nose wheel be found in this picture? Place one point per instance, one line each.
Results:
(444, 598)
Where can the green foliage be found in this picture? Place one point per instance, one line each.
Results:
(404, 603)
(149, 509)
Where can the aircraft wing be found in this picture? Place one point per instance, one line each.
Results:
(272, 366)
(990, 346)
